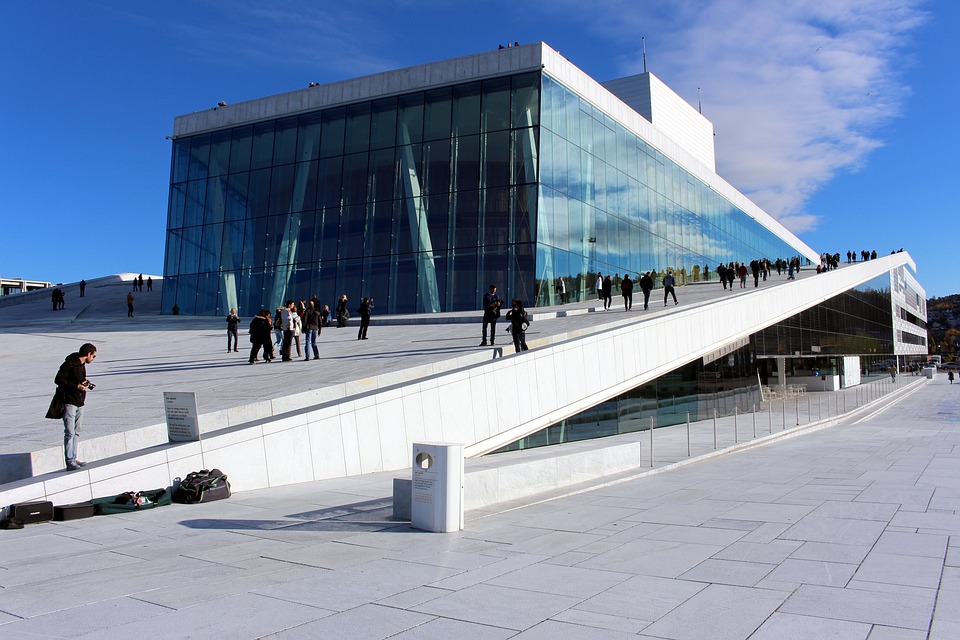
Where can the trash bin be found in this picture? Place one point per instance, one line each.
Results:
(930, 372)
(437, 491)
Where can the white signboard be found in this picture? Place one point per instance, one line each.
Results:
(183, 422)
(437, 489)
(851, 371)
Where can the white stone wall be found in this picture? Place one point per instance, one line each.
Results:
(484, 406)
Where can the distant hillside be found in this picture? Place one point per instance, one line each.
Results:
(943, 325)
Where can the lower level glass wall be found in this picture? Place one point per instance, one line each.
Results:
(728, 384)
(810, 344)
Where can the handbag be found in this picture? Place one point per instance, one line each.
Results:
(56, 409)
(205, 485)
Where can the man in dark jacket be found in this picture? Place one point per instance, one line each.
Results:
(260, 336)
(366, 305)
(72, 385)
(646, 285)
(626, 289)
(491, 311)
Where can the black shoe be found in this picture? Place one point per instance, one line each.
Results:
(306, 359)
(483, 344)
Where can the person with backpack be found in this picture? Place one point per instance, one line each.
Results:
(519, 321)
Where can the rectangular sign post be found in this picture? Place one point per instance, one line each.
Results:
(183, 421)
(437, 488)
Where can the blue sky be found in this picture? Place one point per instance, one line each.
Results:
(837, 118)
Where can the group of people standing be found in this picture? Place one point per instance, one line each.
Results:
(864, 255)
(138, 283)
(606, 284)
(517, 316)
(290, 322)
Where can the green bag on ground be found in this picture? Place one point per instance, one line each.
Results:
(131, 501)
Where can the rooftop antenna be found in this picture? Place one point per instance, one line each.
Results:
(643, 42)
(699, 102)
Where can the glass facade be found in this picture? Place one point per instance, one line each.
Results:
(422, 200)
(728, 384)
(611, 202)
(857, 322)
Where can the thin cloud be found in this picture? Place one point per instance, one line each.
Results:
(332, 39)
(798, 90)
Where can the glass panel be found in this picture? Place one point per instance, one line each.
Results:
(348, 281)
(466, 109)
(383, 126)
(436, 161)
(304, 186)
(186, 295)
(410, 119)
(358, 128)
(181, 160)
(308, 140)
(526, 100)
(178, 198)
(199, 157)
(466, 162)
(355, 179)
(382, 174)
(196, 197)
(211, 244)
(331, 133)
(174, 241)
(190, 250)
(240, 148)
(262, 155)
(220, 153)
(285, 141)
(216, 201)
(466, 219)
(306, 250)
(463, 280)
(496, 159)
(376, 282)
(438, 110)
(496, 105)
(258, 195)
(525, 156)
(233, 244)
(281, 190)
(438, 213)
(406, 229)
(329, 233)
(496, 221)
(379, 231)
(352, 226)
(328, 182)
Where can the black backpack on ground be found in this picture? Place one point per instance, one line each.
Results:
(203, 486)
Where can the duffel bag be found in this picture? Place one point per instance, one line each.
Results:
(131, 501)
(205, 485)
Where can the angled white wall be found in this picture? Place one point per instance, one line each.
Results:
(484, 405)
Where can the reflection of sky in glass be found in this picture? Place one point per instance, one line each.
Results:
(623, 206)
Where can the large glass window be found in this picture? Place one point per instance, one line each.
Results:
(515, 179)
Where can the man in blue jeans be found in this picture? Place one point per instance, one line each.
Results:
(72, 385)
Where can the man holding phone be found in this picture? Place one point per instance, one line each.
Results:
(72, 384)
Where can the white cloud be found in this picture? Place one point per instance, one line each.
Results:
(798, 90)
